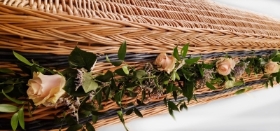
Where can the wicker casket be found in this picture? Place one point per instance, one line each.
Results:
(67, 63)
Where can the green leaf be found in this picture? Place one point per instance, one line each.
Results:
(107, 59)
(8, 89)
(74, 127)
(94, 119)
(117, 63)
(170, 111)
(70, 88)
(165, 101)
(81, 59)
(129, 111)
(273, 54)
(173, 76)
(192, 60)
(120, 114)
(21, 118)
(184, 50)
(137, 112)
(8, 108)
(106, 77)
(122, 51)
(175, 95)
(183, 106)
(177, 76)
(210, 86)
(125, 69)
(6, 71)
(120, 72)
(188, 89)
(90, 85)
(14, 121)
(271, 81)
(172, 106)
(12, 99)
(143, 95)
(176, 53)
(89, 127)
(229, 84)
(171, 87)
(240, 91)
(276, 59)
(238, 83)
(140, 73)
(22, 59)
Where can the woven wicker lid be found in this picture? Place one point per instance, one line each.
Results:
(56, 26)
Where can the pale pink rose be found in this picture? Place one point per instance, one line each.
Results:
(164, 62)
(225, 65)
(45, 89)
(271, 67)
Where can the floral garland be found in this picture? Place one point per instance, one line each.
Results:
(81, 92)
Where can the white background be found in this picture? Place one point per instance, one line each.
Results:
(254, 111)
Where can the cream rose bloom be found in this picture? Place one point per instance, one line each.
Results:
(271, 67)
(45, 89)
(164, 62)
(225, 65)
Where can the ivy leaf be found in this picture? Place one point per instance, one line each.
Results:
(81, 59)
(8, 108)
(89, 127)
(137, 112)
(14, 121)
(210, 86)
(12, 99)
(125, 69)
(122, 51)
(184, 50)
(176, 53)
(6, 71)
(89, 84)
(21, 118)
(22, 59)
(192, 60)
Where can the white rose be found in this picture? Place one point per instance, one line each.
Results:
(164, 62)
(271, 67)
(45, 89)
(225, 65)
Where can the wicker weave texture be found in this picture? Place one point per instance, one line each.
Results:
(56, 26)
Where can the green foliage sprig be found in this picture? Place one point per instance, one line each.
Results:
(86, 91)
